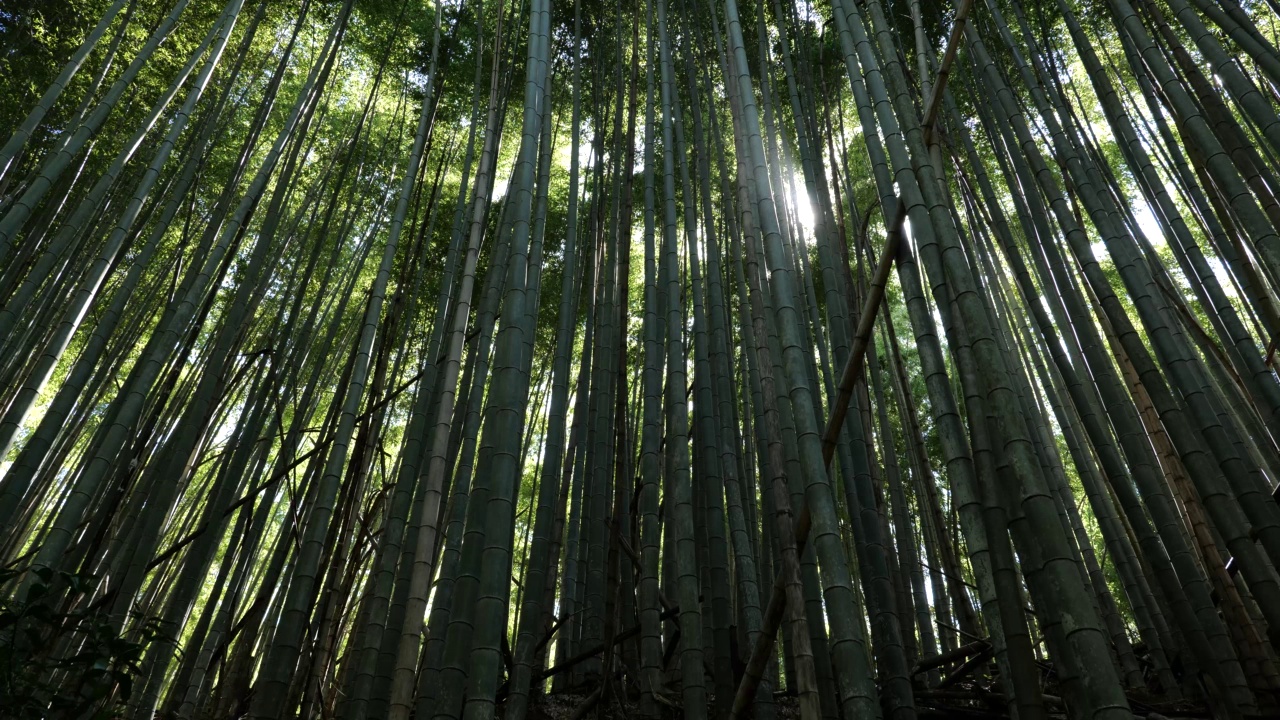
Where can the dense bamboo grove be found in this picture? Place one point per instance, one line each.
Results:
(750, 358)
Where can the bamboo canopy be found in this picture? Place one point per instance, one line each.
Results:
(464, 359)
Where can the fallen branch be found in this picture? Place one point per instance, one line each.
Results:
(964, 651)
(969, 666)
(591, 652)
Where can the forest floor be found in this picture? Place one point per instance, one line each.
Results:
(578, 706)
(573, 706)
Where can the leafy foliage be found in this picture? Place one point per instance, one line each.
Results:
(67, 663)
